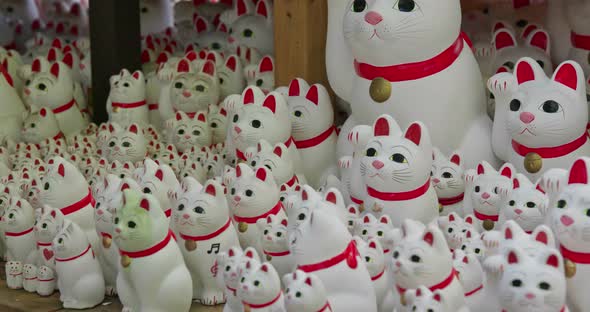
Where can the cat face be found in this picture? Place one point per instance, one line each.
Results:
(157, 182)
(49, 224)
(526, 204)
(276, 159)
(473, 244)
(14, 267)
(191, 131)
(311, 109)
(394, 161)
(108, 199)
(488, 186)
(233, 262)
(209, 37)
(447, 175)
(533, 283)
(264, 75)
(45, 272)
(374, 26)
(454, 229)
(423, 300)
(29, 270)
(49, 87)
(217, 123)
(19, 216)
(260, 283)
(507, 50)
(540, 107)
(70, 240)
(214, 165)
(191, 91)
(372, 254)
(253, 192)
(253, 30)
(127, 87)
(231, 76)
(200, 209)
(126, 144)
(370, 227)
(274, 233)
(193, 169)
(40, 126)
(304, 292)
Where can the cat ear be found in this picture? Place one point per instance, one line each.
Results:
(36, 66)
(179, 115)
(159, 174)
(514, 256)
(529, 30)
(183, 66)
(209, 68)
(241, 7)
(284, 222)
(43, 112)
(201, 117)
(61, 170)
(210, 189)
(416, 133)
(503, 38)
(262, 9)
(201, 25)
(308, 281)
(312, 95)
(437, 296)
(145, 204)
(137, 75)
(571, 75)
(55, 70)
(248, 96)
(52, 55)
(297, 87)
(68, 59)
(385, 219)
(270, 102)
(578, 173)
(278, 150)
(507, 170)
(264, 267)
(333, 196)
(553, 259)
(251, 253)
(428, 238)
(133, 128)
(544, 235)
(527, 70)
(456, 159)
(261, 174)
(266, 65)
(231, 63)
(385, 125)
(540, 39)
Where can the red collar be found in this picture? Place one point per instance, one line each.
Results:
(20, 233)
(289, 142)
(580, 41)
(15, 275)
(452, 200)
(442, 285)
(291, 182)
(574, 256)
(129, 105)
(467, 294)
(58, 136)
(75, 257)
(356, 200)
(64, 107)
(103, 234)
(263, 305)
(484, 217)
(168, 212)
(41, 244)
(208, 236)
(153, 106)
(399, 196)
(349, 254)
(412, 71)
(30, 278)
(317, 140)
(150, 251)
(232, 290)
(378, 276)
(551, 152)
(277, 254)
(326, 307)
(251, 220)
(87, 200)
(46, 280)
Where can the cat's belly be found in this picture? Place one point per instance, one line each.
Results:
(317, 159)
(423, 208)
(447, 102)
(127, 116)
(563, 162)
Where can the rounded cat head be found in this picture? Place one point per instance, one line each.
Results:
(253, 191)
(264, 75)
(533, 283)
(489, 186)
(473, 242)
(63, 184)
(526, 204)
(30, 271)
(507, 50)
(469, 270)
(14, 267)
(454, 229)
(49, 224)
(540, 107)
(51, 86)
(217, 123)
(311, 109)
(209, 36)
(370, 227)
(372, 27)
(231, 76)
(40, 126)
(193, 169)
(125, 144)
(233, 262)
(108, 199)
(192, 90)
(372, 254)
(304, 292)
(424, 300)
(127, 87)
(19, 216)
(396, 161)
(276, 159)
(191, 131)
(214, 165)
(274, 233)
(447, 175)
(253, 30)
(70, 241)
(45, 272)
(200, 210)
(259, 284)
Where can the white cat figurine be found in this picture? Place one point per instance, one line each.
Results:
(126, 103)
(46, 281)
(260, 288)
(305, 293)
(30, 282)
(448, 182)
(275, 243)
(231, 264)
(526, 204)
(14, 274)
(19, 221)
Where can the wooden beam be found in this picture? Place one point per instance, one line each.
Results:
(115, 44)
(300, 41)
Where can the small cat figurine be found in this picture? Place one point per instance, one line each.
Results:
(396, 169)
(126, 102)
(448, 182)
(189, 132)
(421, 257)
(454, 229)
(152, 274)
(350, 166)
(19, 220)
(508, 51)
(231, 264)
(46, 281)
(40, 126)
(262, 75)
(253, 29)
(526, 204)
(472, 277)
(260, 288)
(254, 196)
(275, 245)
(305, 293)
(231, 77)
(158, 180)
(80, 283)
(278, 160)
(424, 300)
(126, 144)
(486, 190)
(217, 116)
(374, 258)
(202, 219)
(312, 127)
(30, 282)
(533, 283)
(14, 274)
(371, 227)
(46, 228)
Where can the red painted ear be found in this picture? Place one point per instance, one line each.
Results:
(55, 70)
(271, 103)
(307, 280)
(542, 238)
(136, 75)
(211, 57)
(266, 65)
(261, 174)
(250, 254)
(512, 258)
(294, 88)
(456, 159)
(248, 97)
(277, 151)
(503, 39)
(553, 261)
(200, 25)
(124, 186)
(381, 127)
(201, 117)
(524, 72)
(304, 195)
(160, 174)
(539, 188)
(222, 28)
(231, 252)
(183, 66)
(312, 95)
(480, 169)
(145, 204)
(566, 75)
(451, 217)
(231, 63)
(178, 116)
(61, 170)
(528, 30)
(241, 7)
(56, 43)
(283, 188)
(418, 292)
(428, 238)
(191, 56)
(210, 189)
(43, 112)
(540, 39)
(578, 173)
(36, 66)
(331, 197)
(261, 9)
(366, 219)
(209, 68)
(284, 222)
(68, 60)
(437, 297)
(223, 112)
(466, 260)
(468, 234)
(502, 69)
(238, 171)
(145, 57)
(508, 233)
(507, 172)
(264, 268)
(202, 54)
(372, 245)
(133, 128)
(384, 220)
(52, 55)
(414, 133)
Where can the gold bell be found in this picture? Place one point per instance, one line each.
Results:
(402, 299)
(362, 207)
(125, 261)
(247, 308)
(242, 227)
(533, 162)
(106, 242)
(268, 257)
(190, 245)
(376, 208)
(440, 208)
(380, 90)
(488, 225)
(570, 268)
(116, 109)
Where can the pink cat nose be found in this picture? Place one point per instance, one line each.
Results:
(398, 264)
(530, 296)
(99, 212)
(566, 220)
(518, 211)
(378, 164)
(185, 216)
(373, 18)
(244, 287)
(436, 181)
(231, 39)
(237, 198)
(186, 94)
(527, 117)
(485, 195)
(187, 137)
(117, 230)
(27, 91)
(237, 129)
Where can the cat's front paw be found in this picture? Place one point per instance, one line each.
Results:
(502, 84)
(345, 162)
(470, 176)
(212, 298)
(491, 239)
(494, 264)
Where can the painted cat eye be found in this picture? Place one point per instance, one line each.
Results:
(358, 6)
(406, 5)
(561, 203)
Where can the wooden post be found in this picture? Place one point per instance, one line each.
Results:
(115, 44)
(300, 41)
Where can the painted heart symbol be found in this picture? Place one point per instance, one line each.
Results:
(48, 254)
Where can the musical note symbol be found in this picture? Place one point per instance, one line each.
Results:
(214, 246)
(214, 269)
